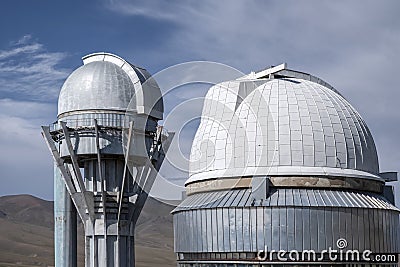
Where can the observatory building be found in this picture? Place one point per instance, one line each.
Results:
(107, 147)
(281, 161)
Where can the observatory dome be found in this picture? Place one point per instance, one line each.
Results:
(280, 127)
(107, 82)
(96, 85)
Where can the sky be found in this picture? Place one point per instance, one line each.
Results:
(353, 45)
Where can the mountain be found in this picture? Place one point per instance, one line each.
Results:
(27, 209)
(155, 236)
(26, 233)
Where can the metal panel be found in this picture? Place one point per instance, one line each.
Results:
(283, 228)
(220, 230)
(217, 199)
(304, 198)
(397, 239)
(246, 230)
(205, 200)
(329, 239)
(204, 237)
(260, 228)
(322, 233)
(227, 238)
(281, 194)
(367, 226)
(367, 200)
(213, 196)
(192, 231)
(199, 231)
(386, 230)
(197, 199)
(227, 197)
(373, 231)
(319, 200)
(347, 199)
(239, 229)
(253, 230)
(345, 224)
(356, 198)
(306, 229)
(325, 198)
(332, 196)
(185, 204)
(380, 215)
(232, 198)
(275, 228)
(359, 228)
(209, 236)
(238, 198)
(232, 229)
(377, 232)
(244, 199)
(298, 226)
(176, 234)
(267, 227)
(274, 198)
(340, 199)
(393, 231)
(214, 225)
(296, 197)
(290, 229)
(313, 229)
(249, 200)
(184, 230)
(353, 230)
(311, 198)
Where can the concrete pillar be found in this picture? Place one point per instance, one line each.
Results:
(65, 225)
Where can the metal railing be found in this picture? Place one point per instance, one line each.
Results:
(89, 122)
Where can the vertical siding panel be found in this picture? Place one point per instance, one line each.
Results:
(260, 228)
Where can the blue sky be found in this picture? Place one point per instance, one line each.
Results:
(354, 45)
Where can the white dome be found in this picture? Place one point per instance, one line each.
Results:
(107, 82)
(286, 126)
(96, 85)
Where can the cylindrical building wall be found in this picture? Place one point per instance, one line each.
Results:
(222, 222)
(65, 224)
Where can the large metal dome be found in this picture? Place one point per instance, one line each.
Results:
(108, 82)
(97, 85)
(282, 162)
(280, 126)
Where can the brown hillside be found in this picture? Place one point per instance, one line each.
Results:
(26, 233)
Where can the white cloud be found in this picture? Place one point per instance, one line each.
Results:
(29, 71)
(155, 9)
(23, 40)
(19, 50)
(353, 45)
(25, 163)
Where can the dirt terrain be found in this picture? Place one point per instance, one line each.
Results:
(26, 233)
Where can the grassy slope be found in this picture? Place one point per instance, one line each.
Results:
(26, 233)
